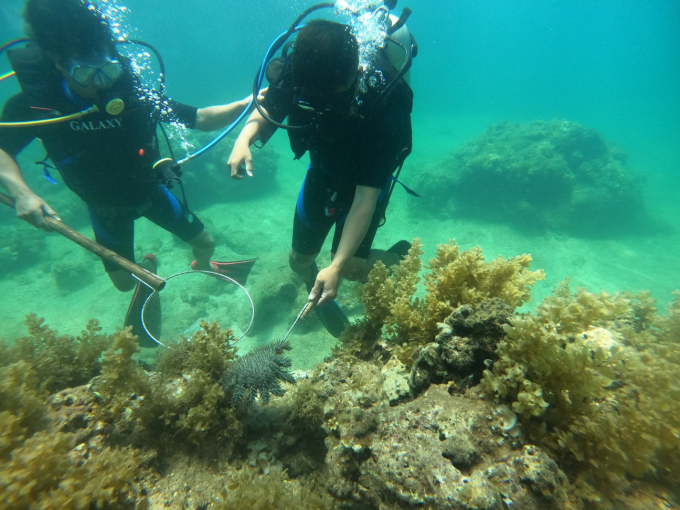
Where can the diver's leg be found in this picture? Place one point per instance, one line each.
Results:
(303, 265)
(203, 246)
(115, 231)
(311, 225)
(169, 214)
(122, 280)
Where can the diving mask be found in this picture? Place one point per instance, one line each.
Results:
(339, 104)
(96, 70)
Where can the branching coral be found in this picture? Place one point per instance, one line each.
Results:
(605, 410)
(261, 371)
(455, 278)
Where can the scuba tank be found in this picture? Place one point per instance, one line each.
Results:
(395, 43)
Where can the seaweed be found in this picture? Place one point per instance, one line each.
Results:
(359, 340)
(455, 278)
(248, 488)
(44, 473)
(184, 395)
(60, 361)
(41, 467)
(593, 387)
(22, 406)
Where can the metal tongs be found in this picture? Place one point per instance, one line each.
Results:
(303, 313)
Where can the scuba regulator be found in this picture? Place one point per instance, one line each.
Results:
(169, 173)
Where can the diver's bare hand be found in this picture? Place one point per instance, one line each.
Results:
(260, 97)
(240, 156)
(326, 286)
(33, 209)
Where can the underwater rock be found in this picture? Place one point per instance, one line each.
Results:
(541, 475)
(466, 339)
(415, 454)
(73, 410)
(538, 176)
(396, 381)
(71, 275)
(439, 450)
(530, 480)
(601, 338)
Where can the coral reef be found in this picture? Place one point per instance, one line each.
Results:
(555, 175)
(260, 372)
(577, 407)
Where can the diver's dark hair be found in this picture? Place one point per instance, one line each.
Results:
(325, 56)
(68, 28)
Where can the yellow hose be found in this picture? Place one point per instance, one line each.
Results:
(46, 122)
(8, 75)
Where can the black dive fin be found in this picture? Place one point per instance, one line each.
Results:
(330, 314)
(134, 315)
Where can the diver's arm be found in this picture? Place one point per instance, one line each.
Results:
(357, 224)
(241, 154)
(218, 117)
(29, 206)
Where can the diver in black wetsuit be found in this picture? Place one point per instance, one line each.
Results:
(356, 140)
(107, 158)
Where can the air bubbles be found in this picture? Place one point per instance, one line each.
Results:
(368, 24)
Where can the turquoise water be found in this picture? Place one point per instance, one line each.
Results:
(609, 66)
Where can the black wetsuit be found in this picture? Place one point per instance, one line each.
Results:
(346, 151)
(107, 160)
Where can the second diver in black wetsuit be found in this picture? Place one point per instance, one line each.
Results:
(356, 140)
